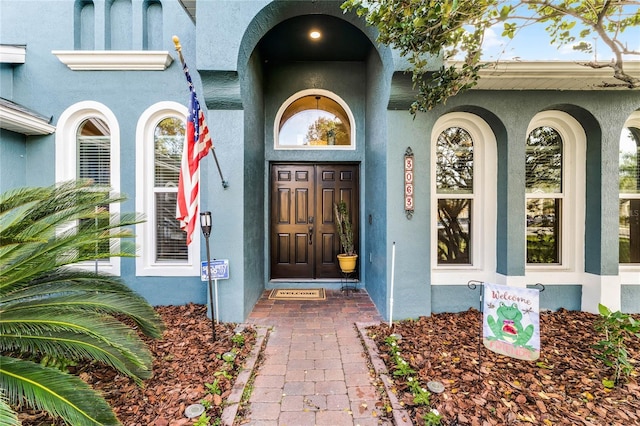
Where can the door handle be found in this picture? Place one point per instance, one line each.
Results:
(310, 235)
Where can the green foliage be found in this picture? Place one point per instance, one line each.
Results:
(238, 340)
(420, 395)
(55, 313)
(203, 420)
(224, 374)
(542, 248)
(213, 388)
(427, 32)
(431, 32)
(344, 228)
(432, 418)
(616, 327)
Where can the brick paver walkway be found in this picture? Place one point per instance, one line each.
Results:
(315, 371)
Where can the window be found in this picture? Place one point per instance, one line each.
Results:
(88, 146)
(93, 140)
(314, 119)
(629, 185)
(171, 241)
(543, 179)
(555, 158)
(464, 179)
(454, 186)
(159, 140)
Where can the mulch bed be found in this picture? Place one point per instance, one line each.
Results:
(563, 387)
(185, 360)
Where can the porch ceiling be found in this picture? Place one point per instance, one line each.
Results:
(289, 41)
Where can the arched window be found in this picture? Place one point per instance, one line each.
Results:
(454, 186)
(544, 189)
(555, 157)
(314, 119)
(93, 140)
(171, 241)
(464, 207)
(629, 168)
(160, 137)
(88, 147)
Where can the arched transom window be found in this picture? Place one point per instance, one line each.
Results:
(314, 120)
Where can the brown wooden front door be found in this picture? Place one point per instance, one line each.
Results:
(304, 243)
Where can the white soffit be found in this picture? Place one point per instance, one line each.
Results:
(549, 75)
(114, 60)
(19, 119)
(12, 54)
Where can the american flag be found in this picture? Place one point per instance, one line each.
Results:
(197, 144)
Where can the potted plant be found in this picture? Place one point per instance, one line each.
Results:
(347, 258)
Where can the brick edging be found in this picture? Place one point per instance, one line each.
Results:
(232, 404)
(401, 416)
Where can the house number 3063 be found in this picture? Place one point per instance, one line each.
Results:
(408, 183)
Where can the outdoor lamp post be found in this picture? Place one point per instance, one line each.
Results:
(205, 224)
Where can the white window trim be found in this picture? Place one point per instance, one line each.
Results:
(66, 161)
(574, 148)
(629, 271)
(114, 60)
(146, 264)
(310, 92)
(484, 211)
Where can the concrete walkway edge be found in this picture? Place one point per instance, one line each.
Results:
(242, 379)
(401, 416)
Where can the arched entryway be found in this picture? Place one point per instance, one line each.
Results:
(306, 174)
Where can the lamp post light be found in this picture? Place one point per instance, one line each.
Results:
(205, 224)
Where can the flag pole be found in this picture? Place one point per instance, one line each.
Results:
(225, 184)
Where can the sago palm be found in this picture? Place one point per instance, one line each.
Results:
(51, 310)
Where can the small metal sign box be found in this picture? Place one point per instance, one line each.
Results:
(219, 270)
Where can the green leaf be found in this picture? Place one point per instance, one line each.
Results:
(604, 311)
(609, 384)
(8, 417)
(60, 394)
(504, 12)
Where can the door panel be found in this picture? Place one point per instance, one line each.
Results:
(304, 243)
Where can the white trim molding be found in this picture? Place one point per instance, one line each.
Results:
(312, 92)
(548, 75)
(114, 60)
(574, 142)
(146, 263)
(66, 160)
(630, 272)
(484, 211)
(12, 54)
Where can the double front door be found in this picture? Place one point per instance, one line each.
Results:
(304, 242)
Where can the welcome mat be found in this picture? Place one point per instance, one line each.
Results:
(297, 294)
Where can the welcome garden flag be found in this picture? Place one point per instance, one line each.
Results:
(511, 321)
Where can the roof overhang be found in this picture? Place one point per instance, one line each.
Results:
(19, 119)
(190, 7)
(12, 53)
(550, 75)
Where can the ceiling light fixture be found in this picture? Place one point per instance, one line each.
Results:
(315, 34)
